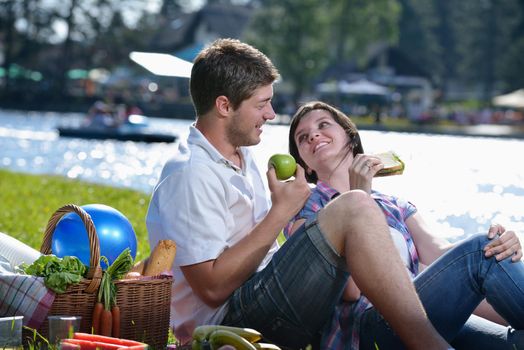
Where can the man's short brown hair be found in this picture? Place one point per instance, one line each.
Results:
(228, 68)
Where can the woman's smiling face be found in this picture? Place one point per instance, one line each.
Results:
(322, 143)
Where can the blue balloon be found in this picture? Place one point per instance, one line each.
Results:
(115, 233)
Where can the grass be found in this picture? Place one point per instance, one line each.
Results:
(28, 201)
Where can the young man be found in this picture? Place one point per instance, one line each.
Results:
(212, 202)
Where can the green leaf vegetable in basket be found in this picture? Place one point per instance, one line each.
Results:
(58, 273)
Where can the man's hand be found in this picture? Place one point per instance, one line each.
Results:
(504, 244)
(290, 196)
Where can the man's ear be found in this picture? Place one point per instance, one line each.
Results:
(223, 105)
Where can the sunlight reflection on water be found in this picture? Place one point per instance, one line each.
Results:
(462, 183)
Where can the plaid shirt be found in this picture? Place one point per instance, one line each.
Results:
(342, 332)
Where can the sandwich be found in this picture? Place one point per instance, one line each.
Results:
(392, 164)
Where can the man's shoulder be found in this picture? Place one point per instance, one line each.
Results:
(188, 163)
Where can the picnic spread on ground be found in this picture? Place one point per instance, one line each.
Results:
(84, 270)
(85, 279)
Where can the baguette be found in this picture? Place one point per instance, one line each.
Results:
(161, 259)
(393, 165)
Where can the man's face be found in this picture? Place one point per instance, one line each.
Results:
(246, 123)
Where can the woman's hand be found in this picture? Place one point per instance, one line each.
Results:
(362, 170)
(506, 245)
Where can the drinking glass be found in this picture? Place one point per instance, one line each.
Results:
(62, 327)
(11, 332)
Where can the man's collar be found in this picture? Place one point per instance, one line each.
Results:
(198, 139)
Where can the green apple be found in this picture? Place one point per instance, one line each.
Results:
(284, 164)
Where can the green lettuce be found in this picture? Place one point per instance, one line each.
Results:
(58, 273)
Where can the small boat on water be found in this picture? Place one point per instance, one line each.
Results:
(136, 128)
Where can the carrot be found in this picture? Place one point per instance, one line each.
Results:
(104, 339)
(106, 323)
(115, 313)
(97, 311)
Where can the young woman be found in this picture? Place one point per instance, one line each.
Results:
(459, 277)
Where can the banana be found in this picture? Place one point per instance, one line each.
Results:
(200, 345)
(203, 332)
(222, 337)
(266, 346)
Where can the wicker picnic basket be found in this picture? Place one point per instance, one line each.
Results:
(144, 303)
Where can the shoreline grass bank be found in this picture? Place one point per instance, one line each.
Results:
(28, 201)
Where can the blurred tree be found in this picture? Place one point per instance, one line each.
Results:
(294, 33)
(303, 37)
(170, 8)
(473, 43)
(484, 36)
(470, 42)
(512, 59)
(64, 63)
(445, 47)
(420, 36)
(7, 21)
(113, 41)
(218, 1)
(22, 24)
(355, 24)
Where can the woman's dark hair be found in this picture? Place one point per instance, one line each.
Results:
(354, 143)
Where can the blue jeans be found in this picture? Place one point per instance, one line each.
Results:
(450, 289)
(294, 296)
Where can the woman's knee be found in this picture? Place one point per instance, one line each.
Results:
(348, 209)
(351, 212)
(354, 201)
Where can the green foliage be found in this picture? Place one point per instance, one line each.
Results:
(28, 201)
(37, 341)
(58, 273)
(512, 60)
(471, 43)
(293, 33)
(303, 37)
(419, 27)
(355, 25)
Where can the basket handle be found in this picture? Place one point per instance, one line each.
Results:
(95, 271)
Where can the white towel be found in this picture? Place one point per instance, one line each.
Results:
(17, 252)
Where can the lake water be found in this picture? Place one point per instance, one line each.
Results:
(460, 183)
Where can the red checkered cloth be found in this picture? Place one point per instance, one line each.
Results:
(24, 295)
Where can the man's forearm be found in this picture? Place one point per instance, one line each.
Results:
(214, 281)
